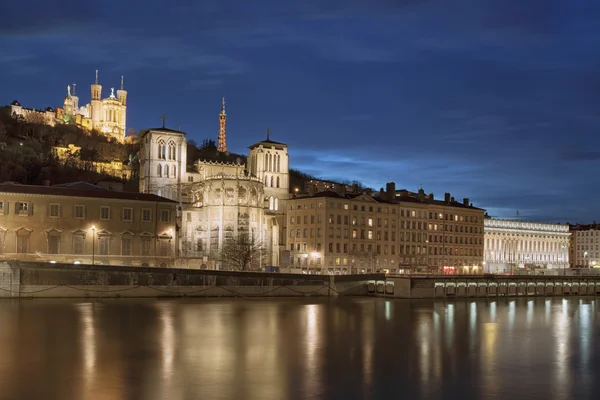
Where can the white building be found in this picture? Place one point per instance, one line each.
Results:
(218, 200)
(511, 245)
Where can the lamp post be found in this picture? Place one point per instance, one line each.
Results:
(93, 244)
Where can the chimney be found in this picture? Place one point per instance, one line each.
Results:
(431, 196)
(311, 189)
(452, 200)
(447, 197)
(421, 195)
(368, 191)
(466, 201)
(390, 189)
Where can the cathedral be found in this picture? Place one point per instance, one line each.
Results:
(218, 200)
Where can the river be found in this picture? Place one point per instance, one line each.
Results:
(345, 348)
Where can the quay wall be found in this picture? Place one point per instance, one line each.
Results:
(42, 280)
(483, 286)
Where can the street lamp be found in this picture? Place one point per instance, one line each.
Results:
(93, 243)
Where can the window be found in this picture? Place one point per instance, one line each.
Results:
(53, 243)
(79, 212)
(126, 245)
(165, 216)
(172, 151)
(78, 244)
(370, 221)
(146, 215)
(162, 150)
(127, 214)
(54, 210)
(146, 246)
(370, 235)
(2, 210)
(166, 171)
(159, 170)
(164, 248)
(23, 242)
(23, 208)
(103, 245)
(2, 235)
(104, 212)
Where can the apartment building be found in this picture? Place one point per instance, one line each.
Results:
(339, 234)
(84, 223)
(584, 249)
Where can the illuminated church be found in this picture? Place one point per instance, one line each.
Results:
(106, 115)
(218, 200)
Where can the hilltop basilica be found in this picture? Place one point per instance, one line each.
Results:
(218, 200)
(107, 116)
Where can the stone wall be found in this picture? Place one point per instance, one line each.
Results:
(31, 279)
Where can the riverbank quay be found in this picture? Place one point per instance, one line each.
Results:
(20, 279)
(483, 286)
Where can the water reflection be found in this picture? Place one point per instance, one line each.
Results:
(299, 349)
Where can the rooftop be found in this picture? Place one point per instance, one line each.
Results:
(399, 199)
(76, 189)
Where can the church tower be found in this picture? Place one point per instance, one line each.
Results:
(269, 161)
(122, 97)
(222, 145)
(75, 98)
(96, 104)
(68, 105)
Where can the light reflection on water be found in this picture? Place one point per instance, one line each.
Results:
(299, 349)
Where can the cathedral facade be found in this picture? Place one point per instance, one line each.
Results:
(218, 200)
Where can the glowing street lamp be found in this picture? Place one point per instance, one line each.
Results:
(93, 243)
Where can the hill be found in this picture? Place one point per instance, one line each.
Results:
(27, 157)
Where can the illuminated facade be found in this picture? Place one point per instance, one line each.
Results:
(333, 233)
(218, 200)
(70, 155)
(513, 245)
(108, 116)
(585, 246)
(83, 223)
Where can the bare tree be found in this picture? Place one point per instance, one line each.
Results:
(241, 252)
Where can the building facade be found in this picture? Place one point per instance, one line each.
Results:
(82, 223)
(584, 249)
(514, 245)
(106, 115)
(331, 233)
(219, 200)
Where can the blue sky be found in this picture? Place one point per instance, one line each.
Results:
(498, 101)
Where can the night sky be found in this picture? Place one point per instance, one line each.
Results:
(495, 100)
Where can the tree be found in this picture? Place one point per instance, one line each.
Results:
(241, 253)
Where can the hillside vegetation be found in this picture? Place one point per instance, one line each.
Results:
(26, 153)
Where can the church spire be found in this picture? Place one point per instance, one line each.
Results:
(96, 77)
(222, 145)
(122, 87)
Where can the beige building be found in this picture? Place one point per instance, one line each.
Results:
(83, 223)
(219, 200)
(514, 245)
(331, 233)
(585, 246)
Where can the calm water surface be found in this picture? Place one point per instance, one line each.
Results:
(300, 349)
